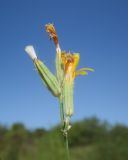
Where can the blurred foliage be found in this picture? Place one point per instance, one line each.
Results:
(89, 139)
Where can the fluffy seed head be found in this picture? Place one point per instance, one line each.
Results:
(31, 52)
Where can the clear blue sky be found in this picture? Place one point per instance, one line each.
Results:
(97, 29)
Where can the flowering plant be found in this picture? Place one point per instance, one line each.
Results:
(60, 85)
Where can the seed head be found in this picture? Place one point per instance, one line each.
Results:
(31, 52)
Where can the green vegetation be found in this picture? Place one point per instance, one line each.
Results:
(89, 139)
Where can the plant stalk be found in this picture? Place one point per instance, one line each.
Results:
(61, 111)
(67, 146)
(64, 130)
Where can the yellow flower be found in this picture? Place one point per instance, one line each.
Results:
(52, 32)
(70, 62)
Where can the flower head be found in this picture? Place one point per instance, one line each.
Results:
(70, 62)
(50, 81)
(52, 32)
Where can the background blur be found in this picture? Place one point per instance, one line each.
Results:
(98, 30)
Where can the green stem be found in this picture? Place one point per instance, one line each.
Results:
(61, 111)
(67, 147)
(63, 126)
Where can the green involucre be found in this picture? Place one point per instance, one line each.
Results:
(59, 69)
(68, 90)
(48, 78)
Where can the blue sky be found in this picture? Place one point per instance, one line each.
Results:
(97, 29)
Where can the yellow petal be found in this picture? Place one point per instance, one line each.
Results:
(86, 69)
(76, 58)
(81, 73)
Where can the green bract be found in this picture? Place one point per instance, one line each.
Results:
(48, 78)
(68, 90)
(59, 68)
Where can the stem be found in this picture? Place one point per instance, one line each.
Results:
(61, 111)
(67, 146)
(65, 132)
